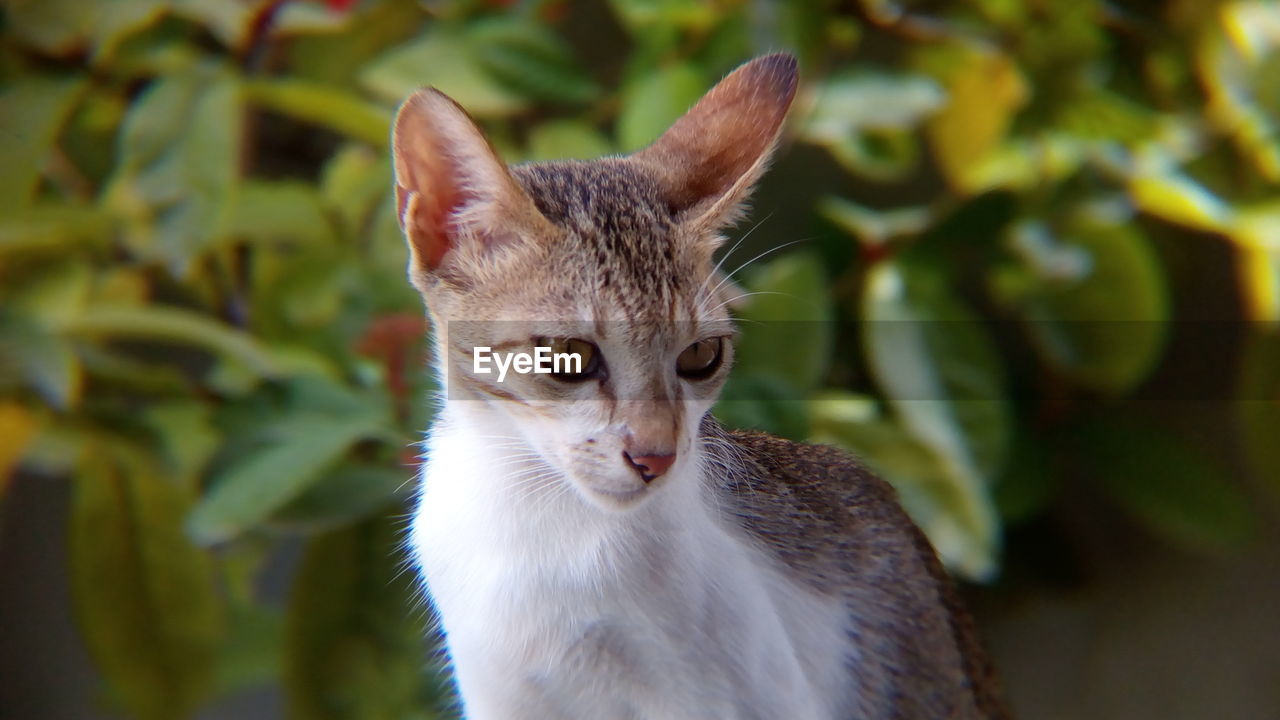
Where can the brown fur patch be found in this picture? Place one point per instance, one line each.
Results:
(840, 530)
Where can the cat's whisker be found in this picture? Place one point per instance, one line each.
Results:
(702, 285)
(736, 298)
(766, 253)
(705, 299)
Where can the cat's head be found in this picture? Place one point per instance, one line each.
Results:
(607, 260)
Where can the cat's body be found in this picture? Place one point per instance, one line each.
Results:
(596, 546)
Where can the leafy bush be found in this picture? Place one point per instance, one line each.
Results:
(1018, 213)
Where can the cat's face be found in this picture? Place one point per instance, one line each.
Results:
(606, 263)
(627, 290)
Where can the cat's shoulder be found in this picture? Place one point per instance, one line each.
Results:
(817, 508)
(812, 479)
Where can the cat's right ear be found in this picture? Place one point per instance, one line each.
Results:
(456, 198)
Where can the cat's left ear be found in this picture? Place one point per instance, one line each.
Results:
(709, 160)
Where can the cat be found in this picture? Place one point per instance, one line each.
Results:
(595, 545)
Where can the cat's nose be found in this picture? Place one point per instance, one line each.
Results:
(650, 466)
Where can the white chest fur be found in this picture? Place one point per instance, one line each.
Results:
(556, 609)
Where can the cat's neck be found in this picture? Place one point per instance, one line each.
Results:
(481, 467)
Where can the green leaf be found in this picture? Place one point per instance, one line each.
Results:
(252, 654)
(1236, 70)
(168, 324)
(54, 26)
(186, 437)
(370, 28)
(1169, 486)
(763, 402)
(179, 154)
(1104, 115)
(355, 643)
(325, 106)
(280, 210)
(299, 449)
(926, 482)
(144, 596)
(233, 23)
(786, 323)
(444, 60)
(44, 359)
(642, 17)
(299, 290)
(565, 139)
(116, 21)
(53, 226)
(865, 121)
(875, 228)
(945, 383)
(347, 493)
(54, 296)
(1094, 302)
(852, 102)
(530, 59)
(32, 112)
(353, 184)
(1030, 478)
(652, 101)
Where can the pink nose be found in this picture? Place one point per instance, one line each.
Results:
(650, 466)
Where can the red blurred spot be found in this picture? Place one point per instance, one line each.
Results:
(396, 340)
(340, 5)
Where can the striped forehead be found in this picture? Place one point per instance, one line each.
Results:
(621, 238)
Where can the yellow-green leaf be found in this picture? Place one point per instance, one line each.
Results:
(355, 640)
(1177, 198)
(529, 58)
(52, 226)
(280, 210)
(945, 383)
(985, 89)
(786, 330)
(144, 596)
(18, 426)
(926, 482)
(1094, 302)
(32, 113)
(325, 106)
(179, 163)
(300, 449)
(1171, 487)
(169, 324)
(566, 139)
(651, 102)
(1259, 272)
(442, 59)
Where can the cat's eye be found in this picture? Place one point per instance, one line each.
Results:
(700, 360)
(572, 359)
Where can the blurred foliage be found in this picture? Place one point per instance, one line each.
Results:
(1013, 211)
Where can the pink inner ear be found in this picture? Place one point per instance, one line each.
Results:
(426, 222)
(427, 194)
